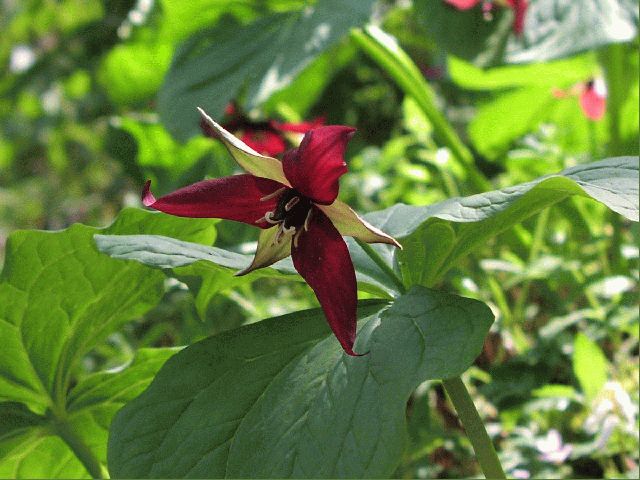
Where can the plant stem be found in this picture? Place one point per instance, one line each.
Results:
(64, 429)
(612, 59)
(384, 266)
(468, 415)
(384, 50)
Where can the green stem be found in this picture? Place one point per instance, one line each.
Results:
(384, 266)
(468, 415)
(384, 50)
(612, 59)
(64, 429)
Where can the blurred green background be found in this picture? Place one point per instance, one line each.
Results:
(86, 101)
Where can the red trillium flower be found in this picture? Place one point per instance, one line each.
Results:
(266, 138)
(593, 99)
(294, 203)
(592, 96)
(519, 8)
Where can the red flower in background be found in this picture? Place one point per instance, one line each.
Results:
(519, 8)
(295, 204)
(266, 138)
(593, 99)
(592, 96)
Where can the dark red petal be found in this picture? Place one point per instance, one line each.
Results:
(463, 4)
(519, 9)
(264, 142)
(302, 127)
(323, 260)
(232, 198)
(316, 165)
(593, 101)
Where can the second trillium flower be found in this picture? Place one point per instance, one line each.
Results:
(295, 204)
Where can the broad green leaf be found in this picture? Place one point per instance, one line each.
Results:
(475, 219)
(219, 265)
(557, 29)
(280, 399)
(29, 445)
(59, 297)
(265, 56)
(37, 454)
(589, 365)
(15, 418)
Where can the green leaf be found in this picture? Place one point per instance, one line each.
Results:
(561, 73)
(15, 418)
(59, 297)
(211, 67)
(465, 33)
(556, 28)
(477, 218)
(133, 72)
(29, 447)
(34, 454)
(553, 29)
(218, 265)
(168, 163)
(590, 366)
(280, 399)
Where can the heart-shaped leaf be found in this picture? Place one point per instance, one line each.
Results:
(31, 445)
(59, 297)
(280, 399)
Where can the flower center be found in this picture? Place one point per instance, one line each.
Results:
(292, 209)
(292, 214)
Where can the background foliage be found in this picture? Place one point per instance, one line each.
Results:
(97, 96)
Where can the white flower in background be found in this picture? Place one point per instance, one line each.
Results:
(552, 449)
(22, 59)
(612, 408)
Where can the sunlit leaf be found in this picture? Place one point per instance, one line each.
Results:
(589, 365)
(59, 297)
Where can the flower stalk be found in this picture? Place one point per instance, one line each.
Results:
(468, 415)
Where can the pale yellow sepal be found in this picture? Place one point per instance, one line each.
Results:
(247, 157)
(351, 224)
(269, 251)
